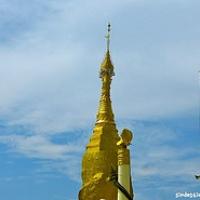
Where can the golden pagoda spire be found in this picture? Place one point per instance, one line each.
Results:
(105, 113)
(100, 156)
(106, 155)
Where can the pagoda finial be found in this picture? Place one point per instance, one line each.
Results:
(105, 113)
(108, 36)
(107, 66)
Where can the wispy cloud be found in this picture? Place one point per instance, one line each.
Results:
(49, 69)
(154, 152)
(37, 146)
(50, 52)
(52, 157)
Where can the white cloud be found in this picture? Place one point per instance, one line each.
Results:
(49, 80)
(52, 157)
(154, 153)
(50, 69)
(40, 147)
(49, 72)
(49, 75)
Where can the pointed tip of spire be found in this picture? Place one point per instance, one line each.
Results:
(109, 27)
(108, 36)
(106, 65)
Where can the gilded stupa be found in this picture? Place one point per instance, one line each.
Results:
(106, 149)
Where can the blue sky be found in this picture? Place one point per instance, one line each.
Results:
(50, 52)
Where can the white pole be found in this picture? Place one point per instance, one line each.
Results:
(124, 171)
